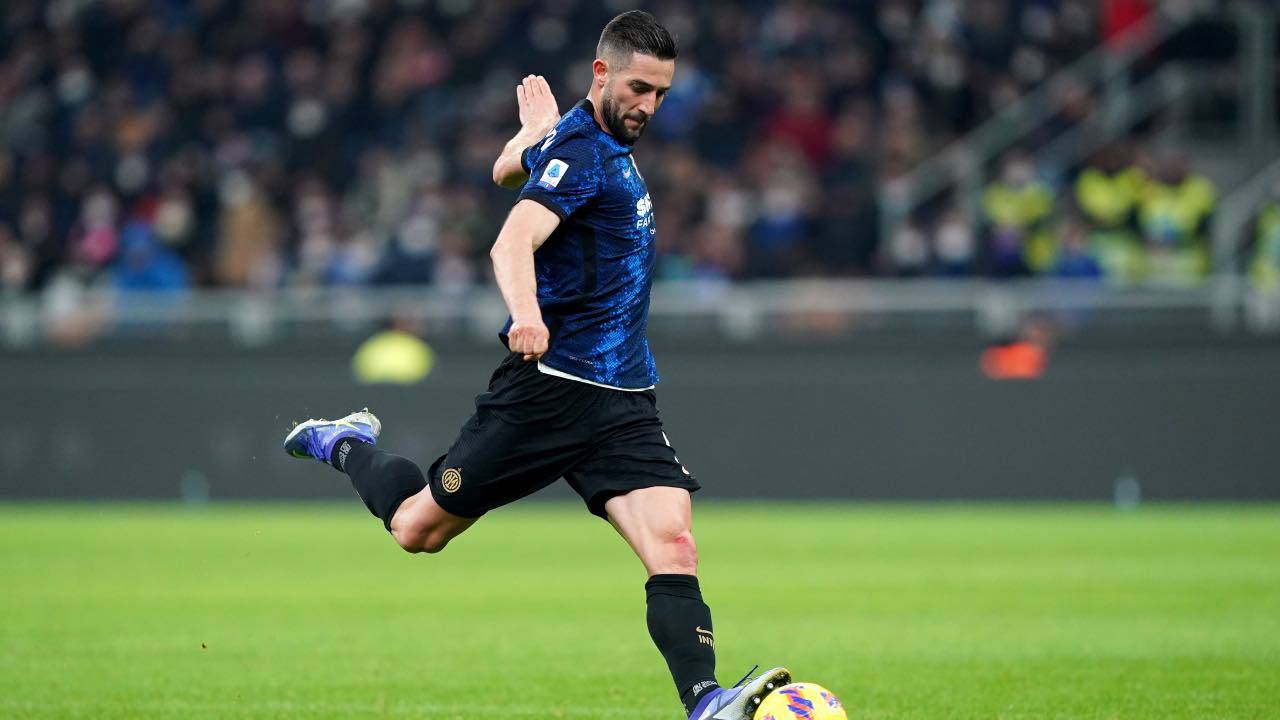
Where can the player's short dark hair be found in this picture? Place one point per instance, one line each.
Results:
(636, 31)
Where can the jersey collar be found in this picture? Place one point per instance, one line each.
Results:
(586, 106)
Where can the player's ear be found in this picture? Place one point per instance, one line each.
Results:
(600, 71)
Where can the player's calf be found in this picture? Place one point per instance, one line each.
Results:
(656, 522)
(392, 487)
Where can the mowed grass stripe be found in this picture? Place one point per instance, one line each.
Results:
(907, 611)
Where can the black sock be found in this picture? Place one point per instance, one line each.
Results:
(382, 480)
(680, 625)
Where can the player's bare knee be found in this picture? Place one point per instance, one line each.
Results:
(686, 552)
(677, 553)
(411, 539)
(415, 533)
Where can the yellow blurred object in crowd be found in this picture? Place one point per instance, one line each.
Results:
(393, 357)
(1024, 210)
(1264, 269)
(1110, 200)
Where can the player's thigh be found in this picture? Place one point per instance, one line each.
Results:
(494, 463)
(633, 479)
(651, 514)
(520, 439)
(630, 453)
(657, 522)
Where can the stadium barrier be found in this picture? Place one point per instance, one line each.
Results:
(732, 311)
(804, 390)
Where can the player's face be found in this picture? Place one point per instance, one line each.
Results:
(632, 95)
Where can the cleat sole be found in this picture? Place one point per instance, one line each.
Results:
(777, 678)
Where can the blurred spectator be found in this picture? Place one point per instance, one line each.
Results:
(1174, 216)
(908, 251)
(396, 355)
(248, 250)
(147, 265)
(776, 238)
(954, 243)
(304, 142)
(1075, 259)
(1017, 208)
(15, 263)
(803, 121)
(1108, 194)
(1264, 263)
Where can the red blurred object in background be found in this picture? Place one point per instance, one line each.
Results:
(1020, 360)
(1120, 17)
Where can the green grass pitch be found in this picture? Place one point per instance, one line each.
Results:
(310, 611)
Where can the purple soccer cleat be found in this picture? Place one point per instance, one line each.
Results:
(740, 701)
(316, 438)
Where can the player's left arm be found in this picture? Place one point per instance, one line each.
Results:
(538, 115)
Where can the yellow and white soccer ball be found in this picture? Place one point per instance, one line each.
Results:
(801, 701)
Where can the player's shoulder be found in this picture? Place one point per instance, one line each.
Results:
(579, 121)
(576, 141)
(577, 130)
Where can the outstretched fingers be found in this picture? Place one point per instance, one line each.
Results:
(537, 104)
(531, 99)
(531, 86)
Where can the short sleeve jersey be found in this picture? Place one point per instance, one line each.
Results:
(595, 271)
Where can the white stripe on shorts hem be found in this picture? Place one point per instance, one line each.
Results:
(546, 370)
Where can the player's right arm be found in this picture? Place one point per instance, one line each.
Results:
(565, 176)
(538, 115)
(526, 229)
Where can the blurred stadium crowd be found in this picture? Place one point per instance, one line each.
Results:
(167, 144)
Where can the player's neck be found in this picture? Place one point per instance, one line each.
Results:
(593, 97)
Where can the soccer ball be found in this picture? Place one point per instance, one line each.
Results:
(801, 701)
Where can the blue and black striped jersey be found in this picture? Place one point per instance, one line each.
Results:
(595, 272)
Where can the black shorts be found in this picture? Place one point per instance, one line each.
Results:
(531, 429)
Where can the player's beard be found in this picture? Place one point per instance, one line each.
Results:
(616, 121)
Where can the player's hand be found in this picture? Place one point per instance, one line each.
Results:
(529, 339)
(538, 111)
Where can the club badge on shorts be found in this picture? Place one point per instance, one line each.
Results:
(451, 480)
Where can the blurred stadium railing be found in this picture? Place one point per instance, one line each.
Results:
(733, 312)
(1132, 88)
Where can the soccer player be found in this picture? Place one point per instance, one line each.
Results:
(575, 396)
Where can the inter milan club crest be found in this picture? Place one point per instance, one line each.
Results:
(451, 480)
